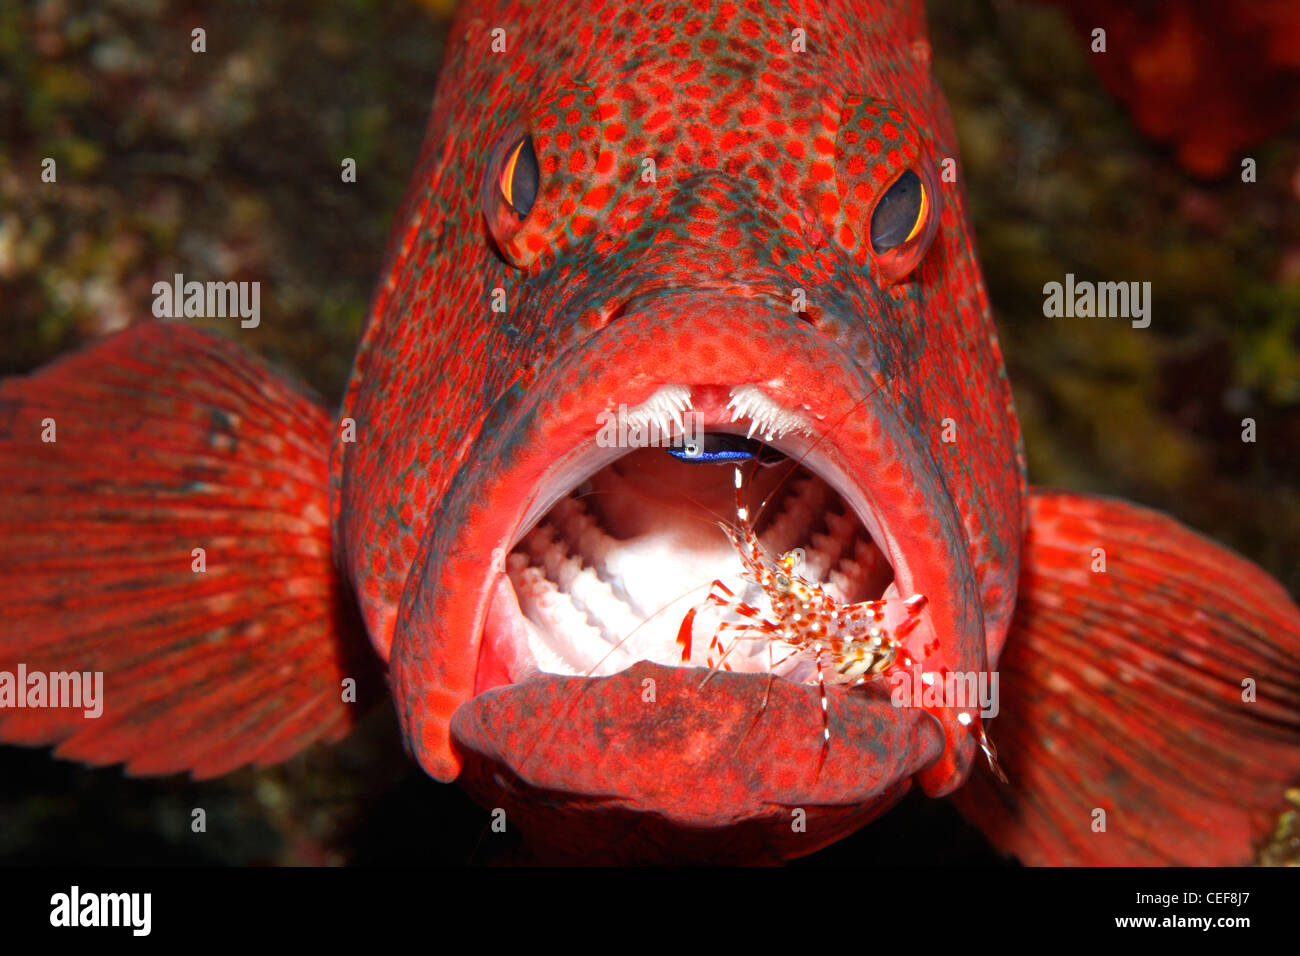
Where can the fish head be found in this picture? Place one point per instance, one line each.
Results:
(707, 243)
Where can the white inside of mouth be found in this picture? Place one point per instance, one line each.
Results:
(611, 569)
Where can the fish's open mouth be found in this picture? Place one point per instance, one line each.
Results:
(609, 573)
(605, 576)
(581, 697)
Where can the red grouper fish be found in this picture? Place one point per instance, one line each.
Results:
(731, 219)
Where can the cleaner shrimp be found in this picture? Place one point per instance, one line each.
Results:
(847, 643)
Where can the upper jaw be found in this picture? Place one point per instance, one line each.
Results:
(446, 650)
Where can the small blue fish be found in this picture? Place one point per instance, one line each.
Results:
(720, 449)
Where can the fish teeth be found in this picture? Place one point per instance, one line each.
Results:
(663, 409)
(766, 417)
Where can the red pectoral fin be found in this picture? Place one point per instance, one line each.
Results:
(116, 465)
(1122, 692)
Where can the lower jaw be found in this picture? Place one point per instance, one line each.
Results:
(648, 765)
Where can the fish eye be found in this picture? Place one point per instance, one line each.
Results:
(510, 186)
(904, 221)
(900, 214)
(520, 177)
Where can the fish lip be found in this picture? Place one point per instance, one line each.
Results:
(554, 751)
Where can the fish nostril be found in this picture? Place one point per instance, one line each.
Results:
(807, 315)
(596, 317)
